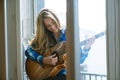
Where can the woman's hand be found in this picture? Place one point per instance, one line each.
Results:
(89, 42)
(65, 59)
(50, 60)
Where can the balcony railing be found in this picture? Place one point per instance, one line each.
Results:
(84, 76)
(92, 76)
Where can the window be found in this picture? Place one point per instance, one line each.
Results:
(59, 6)
(32, 7)
(113, 38)
(92, 21)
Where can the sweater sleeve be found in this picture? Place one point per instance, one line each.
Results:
(83, 54)
(33, 55)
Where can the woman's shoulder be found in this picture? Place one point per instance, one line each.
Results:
(63, 30)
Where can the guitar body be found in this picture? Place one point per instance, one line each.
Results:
(35, 71)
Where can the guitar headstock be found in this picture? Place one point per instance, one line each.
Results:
(100, 34)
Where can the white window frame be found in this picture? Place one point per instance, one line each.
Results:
(73, 72)
(13, 36)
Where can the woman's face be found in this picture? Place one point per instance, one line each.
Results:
(50, 25)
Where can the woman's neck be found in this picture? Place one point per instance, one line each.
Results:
(57, 34)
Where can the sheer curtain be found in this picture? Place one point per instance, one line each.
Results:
(113, 39)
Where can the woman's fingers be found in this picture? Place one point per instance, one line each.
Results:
(52, 56)
(50, 60)
(54, 60)
(89, 42)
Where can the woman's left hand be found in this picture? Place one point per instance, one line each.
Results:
(89, 42)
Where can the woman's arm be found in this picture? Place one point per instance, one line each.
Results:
(33, 55)
(86, 49)
(83, 54)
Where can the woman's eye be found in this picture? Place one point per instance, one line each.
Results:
(53, 22)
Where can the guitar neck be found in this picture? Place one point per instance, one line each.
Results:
(96, 36)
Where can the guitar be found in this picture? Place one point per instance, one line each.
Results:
(36, 72)
(96, 37)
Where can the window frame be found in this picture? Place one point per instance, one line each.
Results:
(17, 44)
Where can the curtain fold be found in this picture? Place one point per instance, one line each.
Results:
(113, 39)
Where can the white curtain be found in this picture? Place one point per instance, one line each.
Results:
(113, 39)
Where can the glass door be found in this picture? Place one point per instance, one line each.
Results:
(92, 23)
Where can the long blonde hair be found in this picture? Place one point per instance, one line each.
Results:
(42, 39)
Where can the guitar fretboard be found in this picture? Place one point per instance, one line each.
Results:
(96, 36)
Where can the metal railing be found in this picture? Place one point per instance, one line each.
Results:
(84, 76)
(92, 76)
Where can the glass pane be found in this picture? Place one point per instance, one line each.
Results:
(26, 11)
(92, 22)
(28, 23)
(58, 9)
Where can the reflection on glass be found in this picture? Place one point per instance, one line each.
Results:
(92, 22)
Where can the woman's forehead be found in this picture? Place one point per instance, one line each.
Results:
(47, 20)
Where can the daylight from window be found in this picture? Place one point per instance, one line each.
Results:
(59, 7)
(92, 21)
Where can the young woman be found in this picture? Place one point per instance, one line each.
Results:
(50, 38)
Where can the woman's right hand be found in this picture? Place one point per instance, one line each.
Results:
(89, 42)
(50, 60)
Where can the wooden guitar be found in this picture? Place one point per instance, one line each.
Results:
(36, 72)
